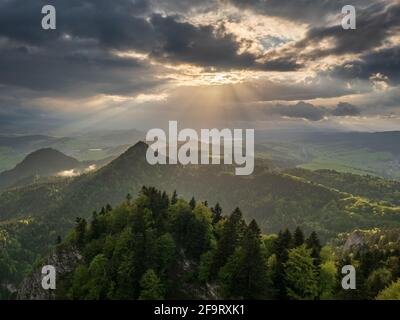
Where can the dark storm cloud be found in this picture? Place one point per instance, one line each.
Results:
(68, 70)
(385, 62)
(206, 46)
(308, 11)
(76, 58)
(106, 21)
(374, 25)
(203, 45)
(130, 25)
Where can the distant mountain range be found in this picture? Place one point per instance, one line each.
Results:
(355, 152)
(92, 146)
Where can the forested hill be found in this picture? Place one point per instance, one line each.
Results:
(276, 200)
(160, 246)
(43, 162)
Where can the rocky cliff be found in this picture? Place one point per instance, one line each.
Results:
(64, 260)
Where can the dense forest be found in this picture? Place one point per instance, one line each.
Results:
(160, 246)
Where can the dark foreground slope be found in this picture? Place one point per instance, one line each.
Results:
(161, 247)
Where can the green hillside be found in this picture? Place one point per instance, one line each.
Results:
(367, 186)
(32, 218)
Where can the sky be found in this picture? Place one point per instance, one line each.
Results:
(263, 64)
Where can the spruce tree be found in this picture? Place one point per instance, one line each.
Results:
(252, 277)
(313, 243)
(231, 236)
(95, 229)
(298, 237)
(283, 243)
(217, 213)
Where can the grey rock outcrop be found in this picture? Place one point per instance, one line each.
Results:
(64, 260)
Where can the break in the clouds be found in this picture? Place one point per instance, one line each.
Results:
(239, 60)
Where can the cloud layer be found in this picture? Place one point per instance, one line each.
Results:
(290, 59)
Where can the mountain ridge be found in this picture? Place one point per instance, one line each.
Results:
(274, 199)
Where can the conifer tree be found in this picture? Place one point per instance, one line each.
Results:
(192, 203)
(95, 229)
(217, 213)
(174, 198)
(252, 277)
(164, 200)
(313, 243)
(281, 248)
(244, 275)
(80, 230)
(231, 236)
(298, 237)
